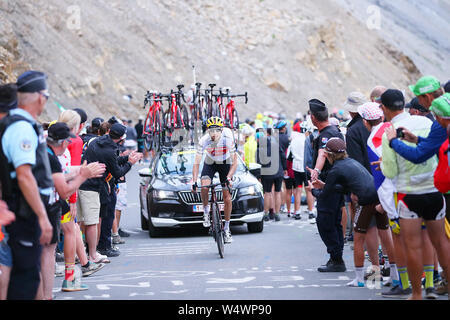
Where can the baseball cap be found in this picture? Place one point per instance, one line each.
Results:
(370, 111)
(315, 105)
(393, 99)
(117, 131)
(8, 97)
(113, 120)
(59, 131)
(354, 100)
(32, 81)
(441, 106)
(414, 104)
(82, 114)
(425, 85)
(336, 145)
(96, 122)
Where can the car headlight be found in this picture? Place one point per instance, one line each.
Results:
(164, 194)
(249, 191)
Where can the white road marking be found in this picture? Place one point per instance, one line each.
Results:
(176, 292)
(237, 280)
(105, 296)
(177, 282)
(134, 294)
(287, 278)
(220, 289)
(108, 286)
(259, 287)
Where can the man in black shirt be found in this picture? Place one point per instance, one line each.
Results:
(329, 212)
(64, 186)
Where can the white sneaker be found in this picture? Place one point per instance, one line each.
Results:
(227, 237)
(355, 284)
(206, 220)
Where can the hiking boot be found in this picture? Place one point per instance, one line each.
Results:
(91, 268)
(227, 237)
(266, 217)
(333, 266)
(75, 285)
(123, 234)
(109, 252)
(277, 217)
(116, 239)
(430, 293)
(397, 292)
(271, 215)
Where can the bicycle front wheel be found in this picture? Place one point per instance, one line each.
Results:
(218, 230)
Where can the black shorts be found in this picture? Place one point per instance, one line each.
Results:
(430, 206)
(290, 183)
(269, 182)
(300, 179)
(364, 217)
(54, 216)
(209, 170)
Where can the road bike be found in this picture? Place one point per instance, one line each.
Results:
(153, 130)
(216, 229)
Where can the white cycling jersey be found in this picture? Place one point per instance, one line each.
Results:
(218, 151)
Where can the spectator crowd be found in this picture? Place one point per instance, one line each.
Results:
(375, 173)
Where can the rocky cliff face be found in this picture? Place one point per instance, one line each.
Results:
(281, 53)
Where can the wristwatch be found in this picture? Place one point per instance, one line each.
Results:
(318, 170)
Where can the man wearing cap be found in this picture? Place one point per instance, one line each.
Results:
(104, 150)
(59, 137)
(357, 134)
(373, 120)
(329, 214)
(417, 198)
(416, 109)
(349, 176)
(29, 184)
(426, 90)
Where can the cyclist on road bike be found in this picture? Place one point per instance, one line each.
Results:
(220, 157)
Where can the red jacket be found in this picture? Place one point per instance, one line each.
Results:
(442, 173)
(75, 149)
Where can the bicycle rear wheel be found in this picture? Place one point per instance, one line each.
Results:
(217, 228)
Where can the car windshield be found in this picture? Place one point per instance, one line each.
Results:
(181, 162)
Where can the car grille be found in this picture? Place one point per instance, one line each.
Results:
(190, 197)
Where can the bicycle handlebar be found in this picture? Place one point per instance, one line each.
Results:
(213, 185)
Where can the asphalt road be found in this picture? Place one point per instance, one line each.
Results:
(278, 264)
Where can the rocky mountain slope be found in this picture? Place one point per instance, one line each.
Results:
(282, 53)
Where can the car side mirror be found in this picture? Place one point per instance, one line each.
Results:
(145, 173)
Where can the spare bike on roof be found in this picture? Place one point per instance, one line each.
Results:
(160, 124)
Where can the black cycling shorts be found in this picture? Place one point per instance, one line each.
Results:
(269, 182)
(209, 170)
(290, 183)
(300, 179)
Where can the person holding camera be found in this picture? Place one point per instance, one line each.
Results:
(417, 198)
